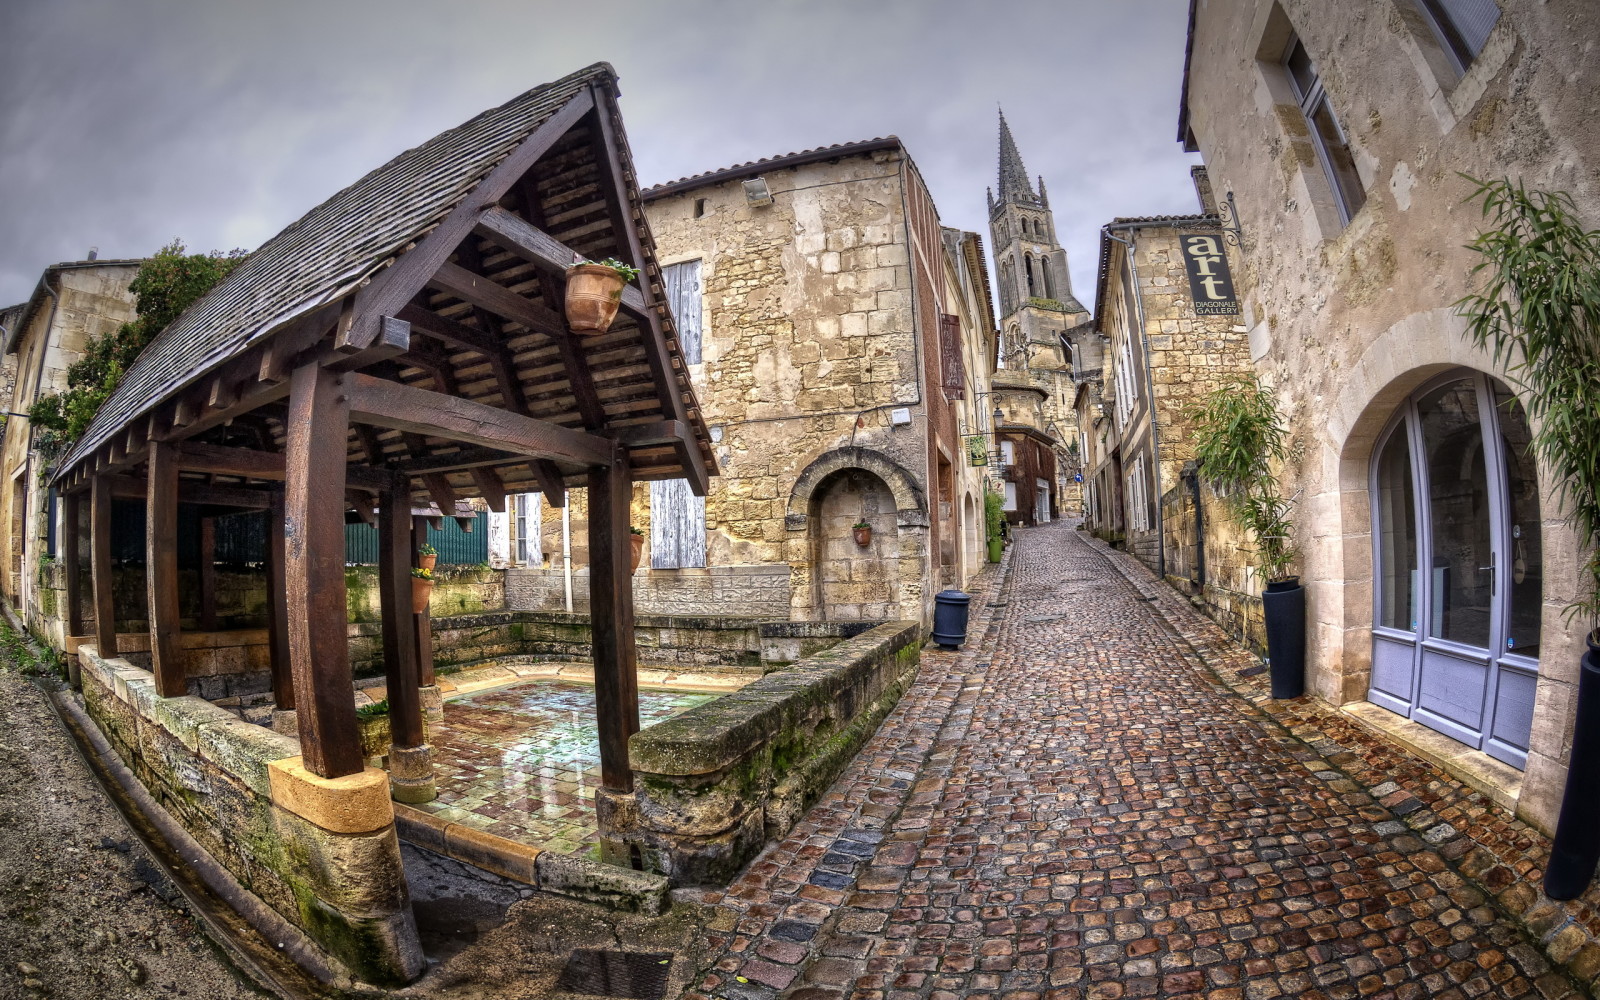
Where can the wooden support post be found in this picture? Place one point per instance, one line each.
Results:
(278, 609)
(399, 622)
(319, 423)
(161, 570)
(616, 682)
(424, 624)
(105, 617)
(208, 574)
(72, 554)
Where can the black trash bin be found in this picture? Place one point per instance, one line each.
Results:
(950, 618)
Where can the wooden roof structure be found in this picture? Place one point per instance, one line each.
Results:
(464, 240)
(401, 347)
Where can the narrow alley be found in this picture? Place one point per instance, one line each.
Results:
(1077, 807)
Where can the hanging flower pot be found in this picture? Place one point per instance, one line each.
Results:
(421, 589)
(637, 539)
(863, 532)
(427, 557)
(594, 291)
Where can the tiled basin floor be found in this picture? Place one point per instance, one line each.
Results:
(522, 762)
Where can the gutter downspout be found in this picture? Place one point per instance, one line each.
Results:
(913, 249)
(566, 553)
(1150, 391)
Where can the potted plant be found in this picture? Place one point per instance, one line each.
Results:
(427, 556)
(994, 516)
(421, 589)
(594, 291)
(862, 532)
(636, 539)
(1239, 438)
(376, 737)
(1539, 311)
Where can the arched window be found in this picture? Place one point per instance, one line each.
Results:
(1044, 271)
(1031, 292)
(1007, 285)
(1027, 229)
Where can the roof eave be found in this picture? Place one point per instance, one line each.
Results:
(756, 167)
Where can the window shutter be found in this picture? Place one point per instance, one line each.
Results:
(952, 368)
(677, 526)
(683, 298)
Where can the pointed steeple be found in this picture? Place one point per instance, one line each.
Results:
(1014, 185)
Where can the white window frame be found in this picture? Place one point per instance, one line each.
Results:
(1313, 100)
(527, 516)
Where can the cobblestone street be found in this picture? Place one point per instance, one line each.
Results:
(1076, 807)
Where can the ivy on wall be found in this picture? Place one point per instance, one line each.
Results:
(167, 284)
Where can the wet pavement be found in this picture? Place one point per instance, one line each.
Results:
(523, 762)
(1077, 808)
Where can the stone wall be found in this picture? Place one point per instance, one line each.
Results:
(322, 853)
(1346, 320)
(714, 784)
(762, 591)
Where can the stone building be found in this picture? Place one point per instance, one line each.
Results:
(810, 292)
(1435, 555)
(1037, 309)
(73, 302)
(1163, 353)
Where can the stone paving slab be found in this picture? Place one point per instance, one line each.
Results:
(1077, 808)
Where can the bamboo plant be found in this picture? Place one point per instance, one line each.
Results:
(1538, 310)
(1239, 440)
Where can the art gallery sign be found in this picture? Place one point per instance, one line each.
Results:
(1210, 281)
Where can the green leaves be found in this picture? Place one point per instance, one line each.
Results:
(166, 285)
(1239, 438)
(1538, 312)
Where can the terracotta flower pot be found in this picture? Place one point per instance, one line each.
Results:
(594, 292)
(428, 562)
(638, 549)
(420, 591)
(863, 536)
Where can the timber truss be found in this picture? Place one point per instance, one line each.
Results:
(445, 372)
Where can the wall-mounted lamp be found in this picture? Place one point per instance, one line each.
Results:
(756, 192)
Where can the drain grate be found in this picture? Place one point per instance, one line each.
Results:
(634, 975)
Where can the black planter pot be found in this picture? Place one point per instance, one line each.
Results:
(1577, 845)
(1284, 604)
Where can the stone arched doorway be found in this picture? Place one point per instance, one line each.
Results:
(854, 581)
(835, 491)
(972, 538)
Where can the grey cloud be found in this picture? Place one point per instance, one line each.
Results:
(125, 124)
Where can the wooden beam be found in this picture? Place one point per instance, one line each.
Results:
(448, 330)
(542, 250)
(161, 571)
(551, 483)
(492, 488)
(319, 421)
(193, 456)
(208, 574)
(72, 556)
(390, 404)
(486, 294)
(455, 461)
(105, 616)
(399, 621)
(278, 608)
(438, 486)
(394, 286)
(678, 434)
(244, 497)
(616, 682)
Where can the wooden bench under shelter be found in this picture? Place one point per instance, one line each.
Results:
(400, 348)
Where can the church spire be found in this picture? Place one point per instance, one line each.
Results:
(1014, 185)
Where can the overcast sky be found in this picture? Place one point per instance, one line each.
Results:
(124, 123)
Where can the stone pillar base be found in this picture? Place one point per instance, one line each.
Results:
(286, 722)
(411, 775)
(432, 703)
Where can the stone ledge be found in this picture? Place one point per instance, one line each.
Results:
(563, 875)
(1499, 782)
(355, 803)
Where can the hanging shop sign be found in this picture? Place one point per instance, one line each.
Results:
(1210, 282)
(977, 450)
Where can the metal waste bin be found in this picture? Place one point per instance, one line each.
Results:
(950, 618)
